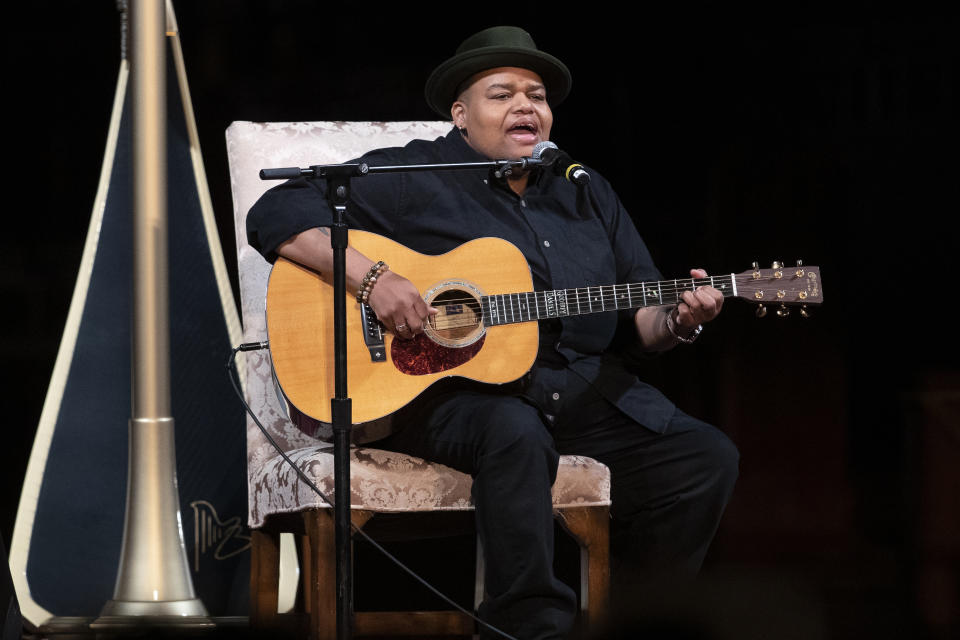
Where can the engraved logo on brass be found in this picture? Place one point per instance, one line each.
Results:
(225, 537)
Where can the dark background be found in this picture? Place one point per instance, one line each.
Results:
(732, 134)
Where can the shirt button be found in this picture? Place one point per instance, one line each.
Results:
(523, 202)
(546, 243)
(556, 396)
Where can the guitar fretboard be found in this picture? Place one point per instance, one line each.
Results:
(509, 308)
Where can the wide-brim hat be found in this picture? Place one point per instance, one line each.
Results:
(491, 48)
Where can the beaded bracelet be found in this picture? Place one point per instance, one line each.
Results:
(366, 285)
(672, 328)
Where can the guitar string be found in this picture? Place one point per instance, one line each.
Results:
(588, 294)
(672, 288)
(619, 289)
(607, 303)
(604, 300)
(607, 297)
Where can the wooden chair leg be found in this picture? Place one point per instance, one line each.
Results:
(321, 574)
(590, 527)
(264, 578)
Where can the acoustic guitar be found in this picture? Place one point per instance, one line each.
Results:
(485, 330)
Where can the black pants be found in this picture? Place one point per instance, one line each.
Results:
(668, 491)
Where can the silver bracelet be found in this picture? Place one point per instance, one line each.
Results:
(672, 328)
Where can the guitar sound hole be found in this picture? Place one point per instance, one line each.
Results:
(459, 316)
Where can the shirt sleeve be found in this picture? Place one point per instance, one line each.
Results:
(285, 211)
(301, 204)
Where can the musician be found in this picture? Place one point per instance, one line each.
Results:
(671, 474)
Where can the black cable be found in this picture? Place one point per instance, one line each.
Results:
(234, 376)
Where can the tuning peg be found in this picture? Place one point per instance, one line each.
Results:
(800, 268)
(783, 311)
(756, 270)
(777, 269)
(804, 311)
(761, 311)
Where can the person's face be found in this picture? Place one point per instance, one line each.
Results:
(505, 112)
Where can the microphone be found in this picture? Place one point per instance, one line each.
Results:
(561, 163)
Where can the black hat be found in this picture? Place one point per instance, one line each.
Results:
(491, 48)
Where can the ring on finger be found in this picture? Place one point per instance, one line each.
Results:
(401, 327)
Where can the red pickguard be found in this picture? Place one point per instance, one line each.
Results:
(421, 355)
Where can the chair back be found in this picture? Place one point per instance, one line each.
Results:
(252, 146)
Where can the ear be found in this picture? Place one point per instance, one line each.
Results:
(458, 112)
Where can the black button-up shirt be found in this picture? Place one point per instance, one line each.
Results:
(571, 238)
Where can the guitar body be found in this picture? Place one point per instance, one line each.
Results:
(300, 328)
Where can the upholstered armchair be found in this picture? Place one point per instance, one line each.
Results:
(381, 481)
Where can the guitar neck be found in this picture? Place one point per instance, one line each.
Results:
(509, 308)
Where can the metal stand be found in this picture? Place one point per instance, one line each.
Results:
(338, 193)
(341, 409)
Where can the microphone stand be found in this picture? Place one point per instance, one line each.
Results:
(338, 193)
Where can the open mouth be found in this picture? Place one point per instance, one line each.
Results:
(523, 132)
(523, 127)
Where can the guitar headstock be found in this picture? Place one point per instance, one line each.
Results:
(782, 286)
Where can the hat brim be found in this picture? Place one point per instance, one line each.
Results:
(446, 79)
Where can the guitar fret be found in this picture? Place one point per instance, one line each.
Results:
(660, 291)
(629, 297)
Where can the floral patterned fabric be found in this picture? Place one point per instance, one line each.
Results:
(380, 480)
(385, 481)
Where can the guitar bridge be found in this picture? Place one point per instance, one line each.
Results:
(372, 334)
